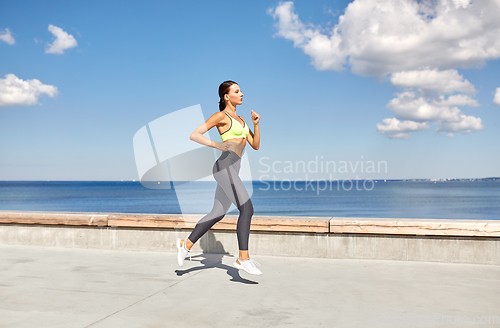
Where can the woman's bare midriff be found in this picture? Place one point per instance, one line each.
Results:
(237, 145)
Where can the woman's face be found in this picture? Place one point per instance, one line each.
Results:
(235, 95)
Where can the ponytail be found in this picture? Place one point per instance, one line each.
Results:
(222, 104)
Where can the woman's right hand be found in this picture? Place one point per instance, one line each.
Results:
(222, 145)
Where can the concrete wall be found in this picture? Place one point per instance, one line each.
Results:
(452, 249)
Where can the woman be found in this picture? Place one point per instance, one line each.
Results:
(234, 133)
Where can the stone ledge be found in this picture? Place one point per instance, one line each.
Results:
(58, 218)
(335, 225)
(424, 227)
(259, 223)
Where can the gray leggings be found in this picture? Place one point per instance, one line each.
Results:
(230, 189)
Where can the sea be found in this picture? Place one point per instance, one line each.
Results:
(472, 200)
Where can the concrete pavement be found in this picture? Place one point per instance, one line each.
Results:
(62, 287)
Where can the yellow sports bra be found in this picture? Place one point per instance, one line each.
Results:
(235, 130)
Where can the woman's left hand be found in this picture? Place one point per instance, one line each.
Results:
(255, 117)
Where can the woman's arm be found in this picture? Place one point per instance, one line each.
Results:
(197, 135)
(254, 138)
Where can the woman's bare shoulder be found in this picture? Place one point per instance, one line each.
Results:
(218, 116)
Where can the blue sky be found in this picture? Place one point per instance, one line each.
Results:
(124, 64)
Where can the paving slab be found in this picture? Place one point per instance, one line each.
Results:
(68, 287)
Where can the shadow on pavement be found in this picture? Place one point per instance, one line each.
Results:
(214, 260)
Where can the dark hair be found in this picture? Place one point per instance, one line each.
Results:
(223, 89)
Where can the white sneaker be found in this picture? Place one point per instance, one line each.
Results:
(182, 252)
(248, 265)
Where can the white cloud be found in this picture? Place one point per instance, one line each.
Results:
(324, 50)
(412, 106)
(447, 81)
(425, 101)
(455, 100)
(380, 37)
(17, 92)
(6, 36)
(466, 124)
(396, 129)
(62, 41)
(419, 43)
(496, 100)
(409, 106)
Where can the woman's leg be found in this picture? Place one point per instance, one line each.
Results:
(219, 210)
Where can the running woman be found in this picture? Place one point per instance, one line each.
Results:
(234, 133)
